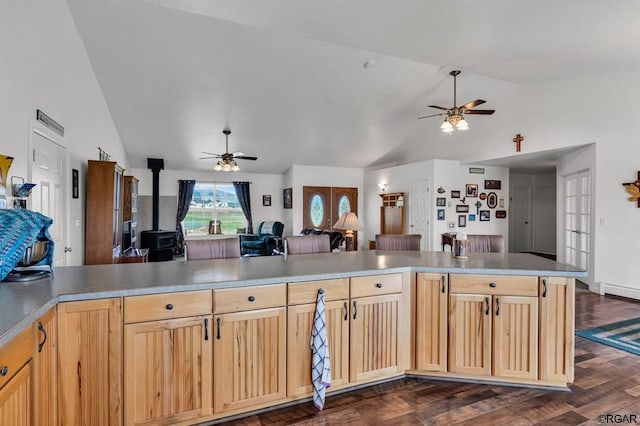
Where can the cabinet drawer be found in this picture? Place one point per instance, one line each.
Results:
(249, 298)
(374, 285)
(14, 355)
(499, 285)
(307, 292)
(167, 305)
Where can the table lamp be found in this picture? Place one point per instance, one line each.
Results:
(349, 222)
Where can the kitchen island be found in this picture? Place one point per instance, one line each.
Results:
(389, 313)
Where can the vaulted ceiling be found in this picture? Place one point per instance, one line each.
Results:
(288, 76)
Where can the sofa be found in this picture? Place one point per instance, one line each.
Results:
(335, 237)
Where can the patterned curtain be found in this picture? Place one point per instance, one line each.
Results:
(185, 194)
(242, 192)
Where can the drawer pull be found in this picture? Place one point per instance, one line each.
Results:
(206, 329)
(219, 322)
(486, 300)
(169, 306)
(379, 285)
(355, 310)
(251, 298)
(544, 287)
(493, 285)
(497, 306)
(44, 339)
(346, 311)
(4, 371)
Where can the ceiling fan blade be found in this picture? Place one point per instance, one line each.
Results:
(208, 158)
(480, 111)
(473, 104)
(244, 157)
(432, 115)
(237, 154)
(439, 107)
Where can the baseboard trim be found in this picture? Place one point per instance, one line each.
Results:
(619, 290)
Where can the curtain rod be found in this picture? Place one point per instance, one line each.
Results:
(213, 181)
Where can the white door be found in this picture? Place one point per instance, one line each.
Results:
(48, 172)
(419, 211)
(577, 220)
(520, 222)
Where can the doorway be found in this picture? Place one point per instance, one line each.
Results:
(49, 196)
(323, 205)
(577, 220)
(419, 211)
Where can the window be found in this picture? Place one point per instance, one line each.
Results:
(211, 201)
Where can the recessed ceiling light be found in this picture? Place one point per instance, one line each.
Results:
(370, 63)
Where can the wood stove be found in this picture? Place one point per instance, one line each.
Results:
(160, 243)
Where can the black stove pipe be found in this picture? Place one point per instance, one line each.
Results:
(156, 164)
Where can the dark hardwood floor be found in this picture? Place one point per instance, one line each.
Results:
(607, 381)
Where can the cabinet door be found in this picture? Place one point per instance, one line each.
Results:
(15, 399)
(249, 359)
(515, 337)
(431, 322)
(90, 362)
(556, 329)
(470, 334)
(167, 370)
(374, 337)
(299, 328)
(45, 378)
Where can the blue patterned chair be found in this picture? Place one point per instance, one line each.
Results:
(262, 243)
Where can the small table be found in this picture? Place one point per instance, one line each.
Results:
(447, 239)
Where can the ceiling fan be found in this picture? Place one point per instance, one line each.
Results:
(227, 160)
(455, 115)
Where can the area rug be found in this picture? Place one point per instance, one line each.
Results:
(624, 335)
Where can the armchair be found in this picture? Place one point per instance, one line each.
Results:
(262, 243)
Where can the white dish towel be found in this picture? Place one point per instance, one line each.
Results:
(320, 363)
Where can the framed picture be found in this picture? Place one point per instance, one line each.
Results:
(287, 195)
(482, 196)
(501, 214)
(472, 218)
(472, 190)
(266, 200)
(485, 215)
(492, 200)
(74, 183)
(441, 201)
(462, 221)
(476, 170)
(455, 194)
(462, 208)
(440, 214)
(492, 184)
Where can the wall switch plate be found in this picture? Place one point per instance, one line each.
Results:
(77, 223)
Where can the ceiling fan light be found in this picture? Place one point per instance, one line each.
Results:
(462, 125)
(446, 126)
(226, 167)
(234, 167)
(218, 166)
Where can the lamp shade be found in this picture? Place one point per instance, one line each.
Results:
(349, 222)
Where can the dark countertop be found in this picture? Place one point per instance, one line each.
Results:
(22, 303)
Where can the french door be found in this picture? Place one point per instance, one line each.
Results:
(577, 223)
(323, 206)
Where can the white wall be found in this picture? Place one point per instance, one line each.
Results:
(298, 176)
(261, 184)
(44, 66)
(450, 175)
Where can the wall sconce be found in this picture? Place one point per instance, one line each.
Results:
(382, 186)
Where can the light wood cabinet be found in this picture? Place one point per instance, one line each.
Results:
(103, 230)
(249, 359)
(493, 334)
(299, 329)
(16, 381)
(470, 334)
(374, 341)
(90, 362)
(15, 399)
(167, 370)
(557, 329)
(431, 322)
(45, 364)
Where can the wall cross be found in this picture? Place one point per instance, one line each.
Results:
(519, 138)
